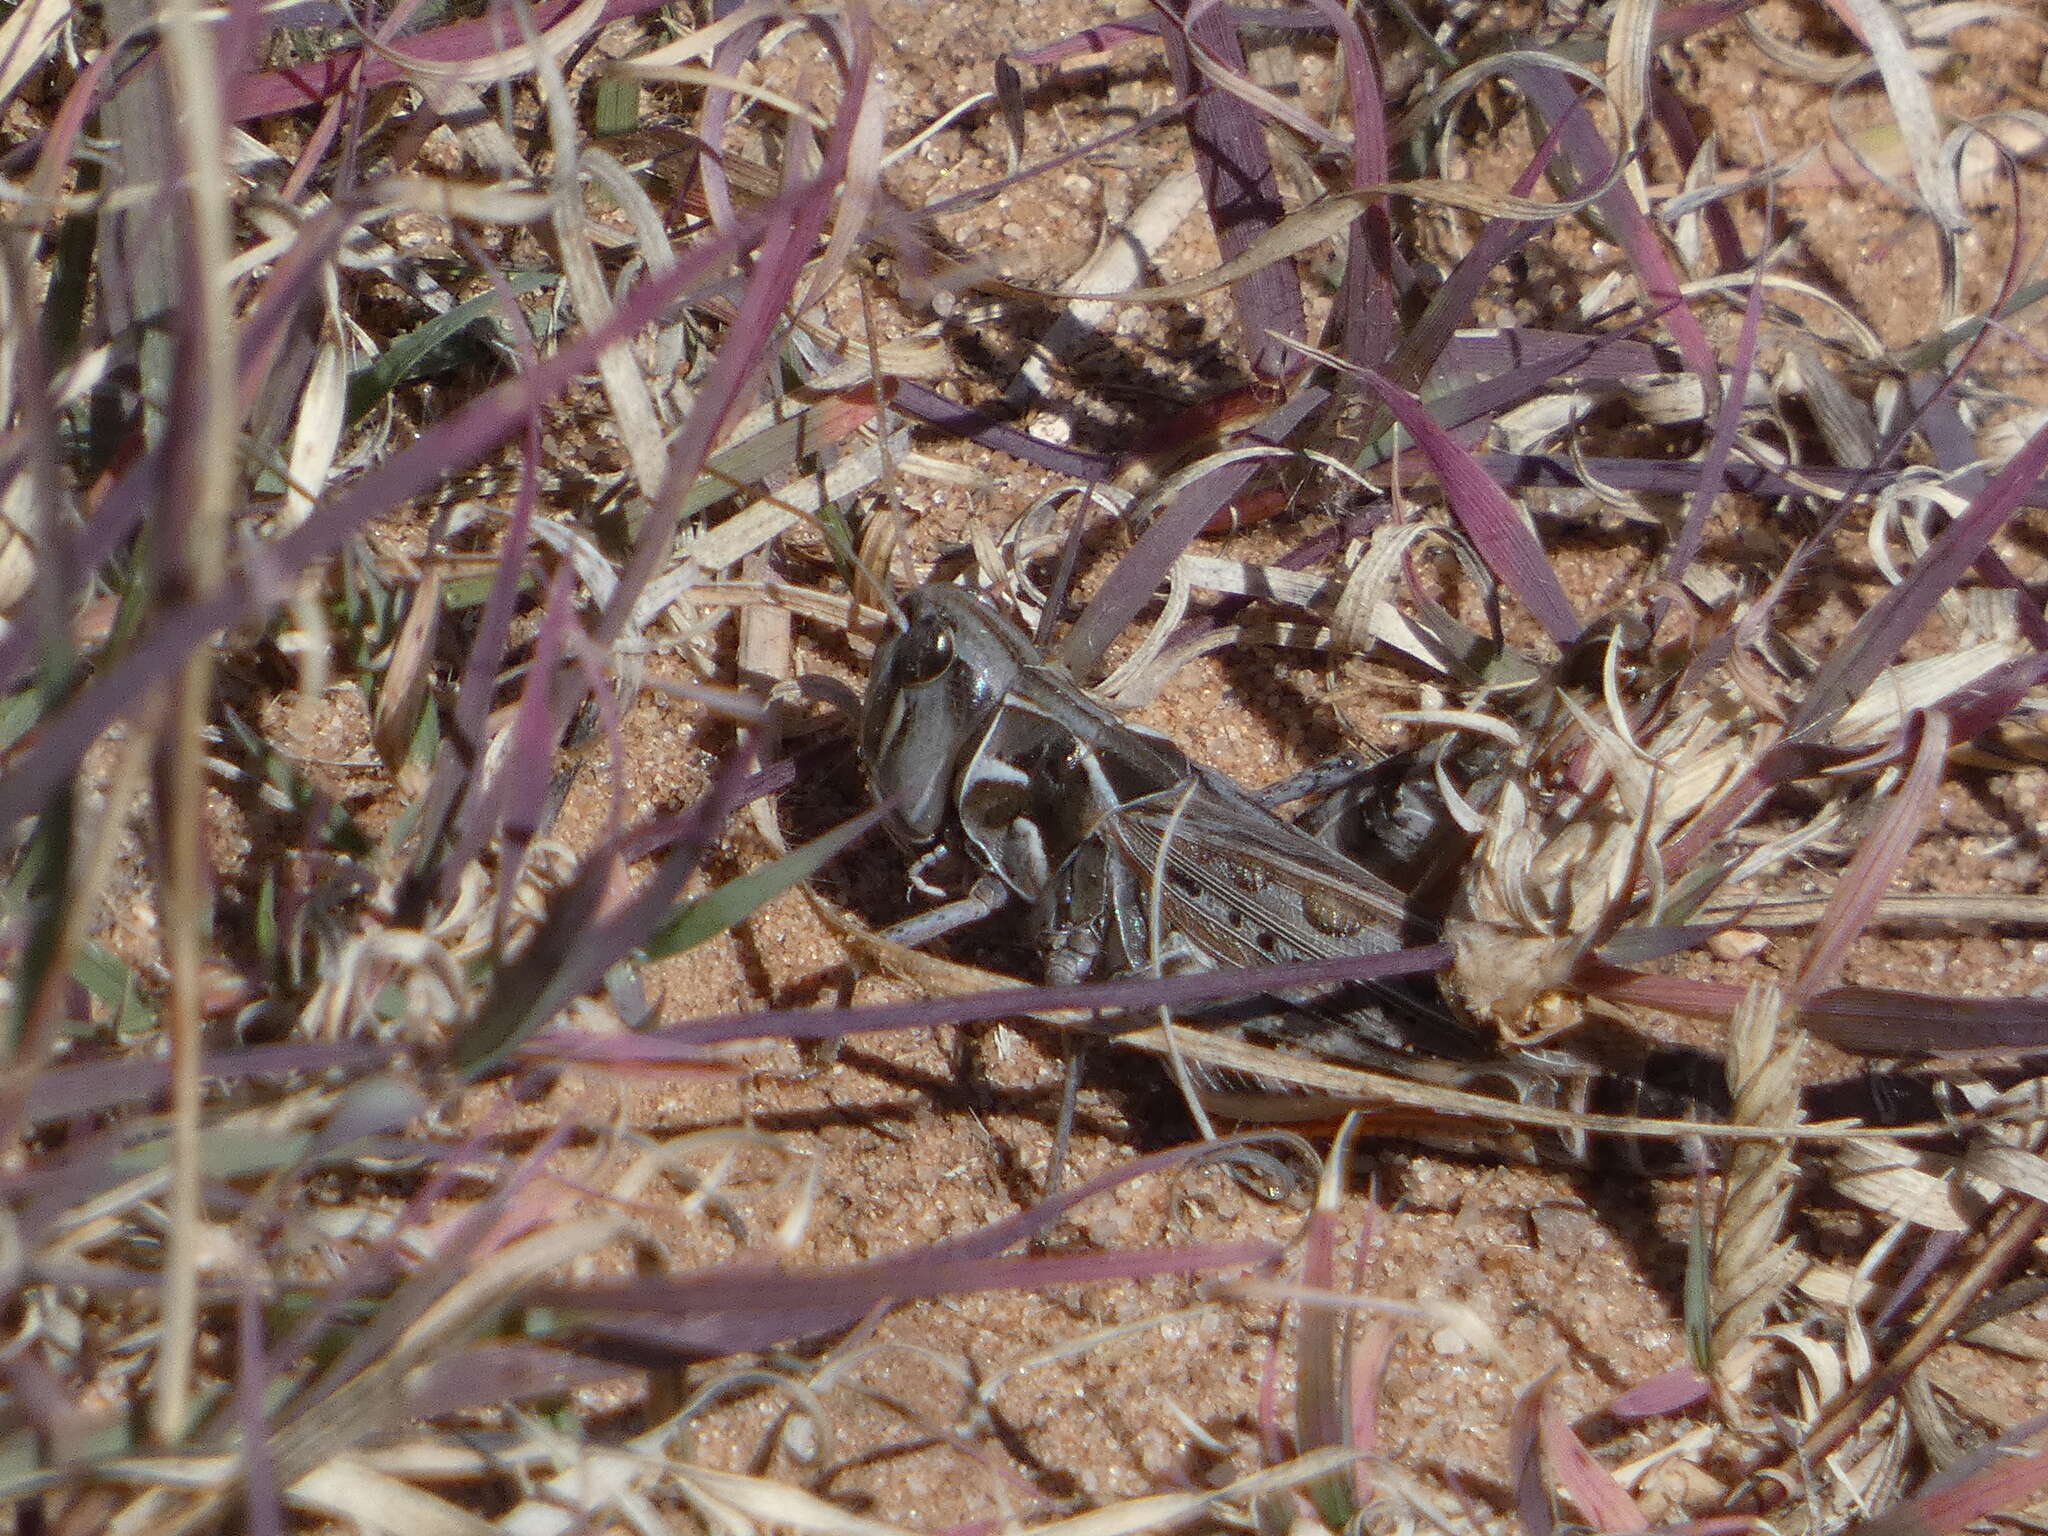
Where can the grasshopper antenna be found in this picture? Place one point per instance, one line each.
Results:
(1063, 574)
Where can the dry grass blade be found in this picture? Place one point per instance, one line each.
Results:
(26, 38)
(364, 1405)
(1328, 218)
(345, 1489)
(2013, 1225)
(202, 399)
(1910, 100)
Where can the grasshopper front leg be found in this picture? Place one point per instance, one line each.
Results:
(986, 897)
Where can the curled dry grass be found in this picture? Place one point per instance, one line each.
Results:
(265, 1272)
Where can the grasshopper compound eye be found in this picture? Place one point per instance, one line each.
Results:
(926, 656)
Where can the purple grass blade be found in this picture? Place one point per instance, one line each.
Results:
(1424, 347)
(1681, 479)
(2005, 1487)
(1678, 22)
(1105, 38)
(1129, 29)
(1674, 1391)
(977, 426)
(1927, 1265)
(1948, 437)
(1606, 1506)
(252, 1389)
(91, 1088)
(1882, 633)
(1319, 1399)
(1142, 572)
(1526, 1472)
(1879, 857)
(1675, 120)
(521, 790)
(786, 246)
(586, 931)
(716, 112)
(1994, 696)
(1366, 301)
(1877, 1021)
(983, 1243)
(1727, 421)
(1593, 164)
(485, 661)
(757, 1306)
(319, 80)
(905, 231)
(1971, 710)
(1481, 401)
(1129, 995)
(1954, 450)
(53, 753)
(1610, 355)
(1507, 544)
(1238, 184)
(1868, 1021)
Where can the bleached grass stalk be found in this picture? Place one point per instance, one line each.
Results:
(206, 423)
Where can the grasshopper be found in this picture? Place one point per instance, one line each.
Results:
(1131, 858)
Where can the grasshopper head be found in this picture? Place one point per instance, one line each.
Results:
(930, 696)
